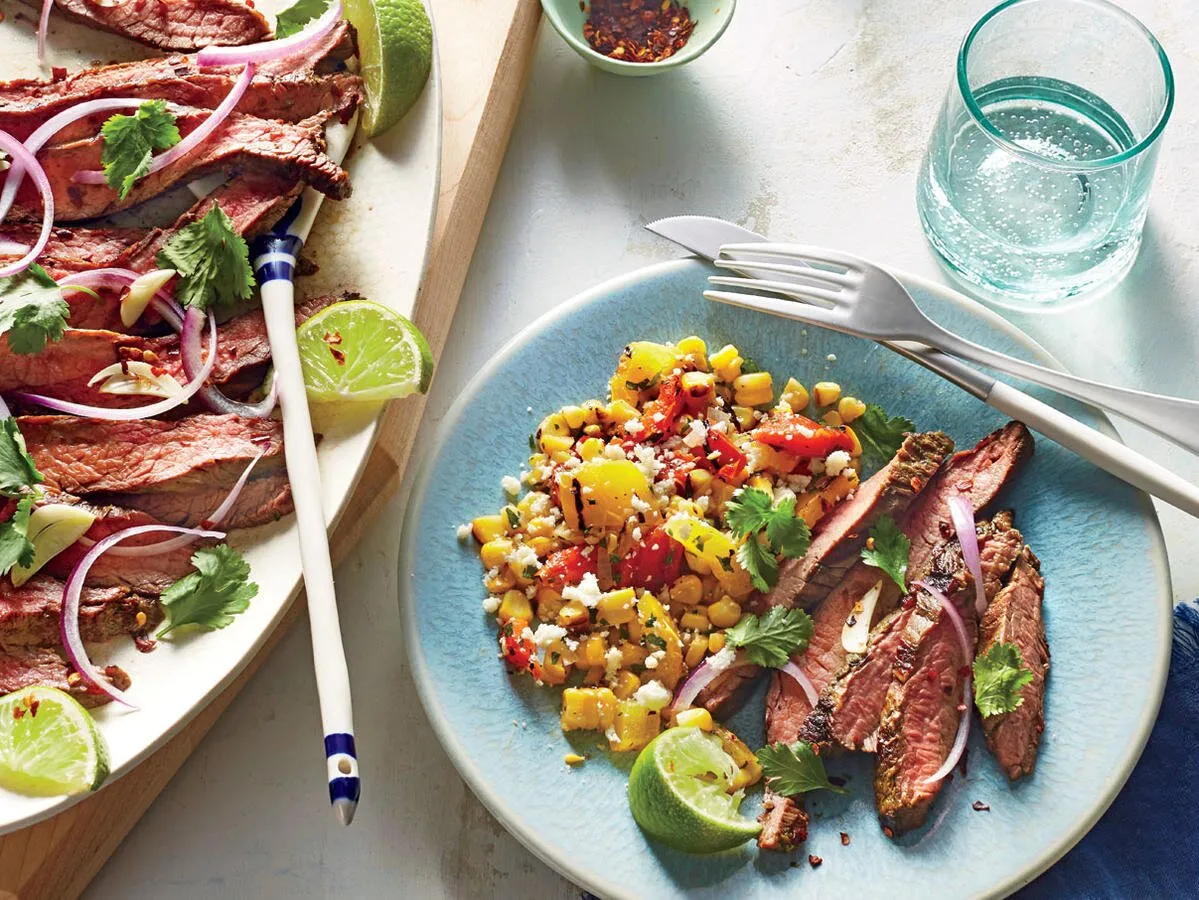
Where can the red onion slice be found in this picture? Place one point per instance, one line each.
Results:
(795, 672)
(22, 157)
(12, 248)
(961, 511)
(193, 324)
(43, 23)
(963, 732)
(72, 642)
(702, 676)
(193, 139)
(268, 50)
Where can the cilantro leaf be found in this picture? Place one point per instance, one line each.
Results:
(879, 436)
(212, 260)
(32, 310)
(17, 471)
(212, 595)
(758, 560)
(296, 16)
(772, 639)
(748, 511)
(788, 534)
(999, 674)
(129, 142)
(15, 548)
(793, 769)
(888, 549)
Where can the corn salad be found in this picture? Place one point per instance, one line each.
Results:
(609, 570)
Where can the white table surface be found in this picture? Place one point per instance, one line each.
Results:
(806, 121)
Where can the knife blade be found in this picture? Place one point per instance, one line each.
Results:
(705, 235)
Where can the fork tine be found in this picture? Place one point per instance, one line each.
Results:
(806, 273)
(803, 312)
(802, 293)
(804, 252)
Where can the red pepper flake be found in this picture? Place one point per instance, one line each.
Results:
(333, 338)
(979, 806)
(814, 861)
(638, 30)
(844, 839)
(888, 832)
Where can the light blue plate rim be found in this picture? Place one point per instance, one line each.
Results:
(459, 753)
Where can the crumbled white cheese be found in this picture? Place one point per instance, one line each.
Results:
(638, 504)
(547, 634)
(611, 735)
(722, 659)
(634, 427)
(653, 696)
(612, 660)
(523, 557)
(702, 503)
(832, 357)
(798, 483)
(782, 494)
(538, 503)
(586, 591)
(664, 488)
(816, 466)
(510, 485)
(464, 532)
(647, 462)
(613, 451)
(491, 603)
(637, 533)
(755, 456)
(651, 661)
(696, 434)
(835, 462)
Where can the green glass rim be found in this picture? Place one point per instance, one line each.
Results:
(989, 128)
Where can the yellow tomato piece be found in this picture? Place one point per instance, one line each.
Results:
(712, 549)
(660, 633)
(635, 726)
(603, 490)
(639, 367)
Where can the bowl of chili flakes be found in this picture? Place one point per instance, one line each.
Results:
(639, 37)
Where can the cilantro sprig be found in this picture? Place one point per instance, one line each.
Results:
(792, 769)
(999, 674)
(296, 16)
(888, 549)
(768, 530)
(15, 547)
(212, 260)
(211, 596)
(19, 478)
(130, 141)
(879, 435)
(32, 310)
(771, 639)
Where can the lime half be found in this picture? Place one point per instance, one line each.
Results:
(359, 350)
(49, 744)
(395, 49)
(678, 793)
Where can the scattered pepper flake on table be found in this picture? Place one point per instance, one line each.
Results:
(979, 806)
(814, 861)
(639, 31)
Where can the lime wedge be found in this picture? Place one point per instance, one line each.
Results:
(678, 793)
(52, 529)
(359, 350)
(49, 744)
(395, 50)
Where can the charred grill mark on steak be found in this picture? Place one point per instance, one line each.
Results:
(172, 24)
(1014, 616)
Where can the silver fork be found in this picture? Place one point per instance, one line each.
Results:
(842, 292)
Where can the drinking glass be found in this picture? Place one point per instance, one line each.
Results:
(1036, 180)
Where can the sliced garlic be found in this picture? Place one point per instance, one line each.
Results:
(855, 634)
(52, 529)
(136, 378)
(141, 292)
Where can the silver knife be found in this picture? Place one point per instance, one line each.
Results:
(705, 235)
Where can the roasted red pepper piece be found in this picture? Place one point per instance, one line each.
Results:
(565, 567)
(519, 651)
(661, 414)
(801, 436)
(654, 563)
(732, 461)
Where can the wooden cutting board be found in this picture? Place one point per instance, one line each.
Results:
(484, 47)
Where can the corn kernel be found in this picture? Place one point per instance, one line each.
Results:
(795, 395)
(515, 605)
(616, 608)
(635, 726)
(632, 654)
(695, 651)
(593, 651)
(696, 717)
(499, 582)
(762, 483)
(744, 417)
(826, 393)
(620, 411)
(724, 613)
(554, 444)
(588, 709)
(574, 759)
(698, 384)
(754, 389)
(694, 621)
(699, 480)
(593, 677)
(543, 546)
(625, 684)
(575, 416)
(549, 603)
(554, 669)
(726, 363)
(591, 448)
(687, 590)
(693, 351)
(554, 424)
(495, 552)
(850, 408)
(856, 449)
(716, 642)
(572, 614)
(488, 528)
(832, 417)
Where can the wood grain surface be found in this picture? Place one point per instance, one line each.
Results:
(484, 48)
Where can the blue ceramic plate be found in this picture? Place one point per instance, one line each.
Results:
(502, 733)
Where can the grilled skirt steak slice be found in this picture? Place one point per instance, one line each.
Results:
(172, 24)
(177, 471)
(21, 667)
(1014, 616)
(839, 536)
(73, 249)
(246, 143)
(29, 615)
(784, 822)
(983, 471)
